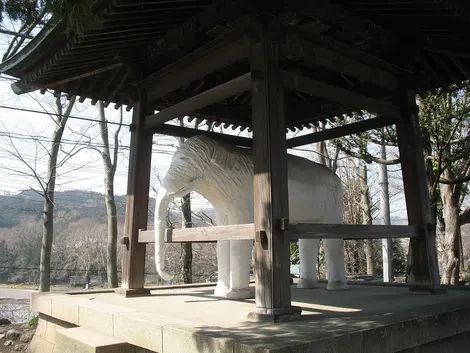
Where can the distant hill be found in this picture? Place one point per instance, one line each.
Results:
(77, 204)
(73, 205)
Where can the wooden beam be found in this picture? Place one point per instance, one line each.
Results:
(186, 34)
(21, 87)
(236, 114)
(422, 266)
(211, 57)
(179, 131)
(340, 131)
(329, 42)
(337, 62)
(326, 10)
(298, 231)
(137, 200)
(202, 234)
(228, 112)
(316, 88)
(295, 231)
(272, 261)
(190, 105)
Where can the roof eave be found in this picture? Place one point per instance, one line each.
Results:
(33, 51)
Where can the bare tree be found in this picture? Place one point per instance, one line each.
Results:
(352, 214)
(367, 219)
(47, 182)
(187, 248)
(110, 163)
(387, 244)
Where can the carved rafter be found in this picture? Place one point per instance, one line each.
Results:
(185, 35)
(214, 56)
(340, 95)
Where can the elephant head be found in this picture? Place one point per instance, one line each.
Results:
(196, 163)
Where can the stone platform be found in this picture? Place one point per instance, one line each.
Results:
(364, 319)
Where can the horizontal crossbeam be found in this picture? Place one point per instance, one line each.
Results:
(320, 55)
(190, 105)
(349, 231)
(295, 231)
(202, 234)
(320, 89)
(340, 131)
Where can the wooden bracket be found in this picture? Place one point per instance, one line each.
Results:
(125, 241)
(431, 226)
(284, 223)
(169, 235)
(261, 237)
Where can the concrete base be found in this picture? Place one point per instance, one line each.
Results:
(364, 319)
(82, 340)
(44, 339)
(291, 313)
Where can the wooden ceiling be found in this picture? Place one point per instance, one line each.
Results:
(180, 48)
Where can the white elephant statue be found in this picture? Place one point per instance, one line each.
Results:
(223, 174)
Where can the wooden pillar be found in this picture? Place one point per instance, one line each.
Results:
(423, 271)
(271, 208)
(133, 266)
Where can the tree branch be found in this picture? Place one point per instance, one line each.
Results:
(455, 181)
(368, 158)
(116, 142)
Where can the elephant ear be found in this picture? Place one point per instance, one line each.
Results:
(223, 158)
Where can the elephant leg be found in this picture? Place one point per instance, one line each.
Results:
(334, 256)
(240, 260)
(223, 268)
(308, 253)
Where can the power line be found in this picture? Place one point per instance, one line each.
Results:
(40, 138)
(29, 110)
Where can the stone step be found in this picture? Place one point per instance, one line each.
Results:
(82, 340)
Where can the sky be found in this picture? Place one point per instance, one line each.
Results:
(28, 133)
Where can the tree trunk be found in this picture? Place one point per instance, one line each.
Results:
(187, 247)
(357, 259)
(367, 219)
(49, 193)
(47, 231)
(387, 244)
(451, 248)
(111, 213)
(462, 261)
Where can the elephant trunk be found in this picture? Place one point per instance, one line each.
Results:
(161, 207)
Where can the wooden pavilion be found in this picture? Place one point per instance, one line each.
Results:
(267, 66)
